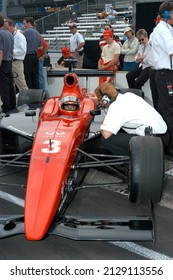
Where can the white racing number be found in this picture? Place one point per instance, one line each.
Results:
(53, 146)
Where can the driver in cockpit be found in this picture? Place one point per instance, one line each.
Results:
(70, 105)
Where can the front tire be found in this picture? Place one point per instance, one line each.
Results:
(147, 169)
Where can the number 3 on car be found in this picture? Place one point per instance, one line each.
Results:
(53, 146)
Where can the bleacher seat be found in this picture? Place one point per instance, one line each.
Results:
(88, 25)
(58, 32)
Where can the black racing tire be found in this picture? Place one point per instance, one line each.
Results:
(30, 96)
(146, 175)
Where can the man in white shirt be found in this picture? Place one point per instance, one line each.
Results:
(127, 113)
(162, 56)
(19, 53)
(77, 43)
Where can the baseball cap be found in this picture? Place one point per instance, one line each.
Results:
(107, 34)
(157, 20)
(128, 28)
(66, 52)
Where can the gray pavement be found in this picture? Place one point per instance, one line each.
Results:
(110, 201)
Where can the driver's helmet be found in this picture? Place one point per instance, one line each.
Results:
(69, 105)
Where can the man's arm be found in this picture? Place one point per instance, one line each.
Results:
(106, 134)
(110, 63)
(114, 60)
(134, 47)
(81, 45)
(1, 56)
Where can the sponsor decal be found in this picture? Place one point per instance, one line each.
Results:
(55, 134)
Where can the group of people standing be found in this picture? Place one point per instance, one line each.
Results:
(149, 57)
(144, 57)
(155, 58)
(21, 61)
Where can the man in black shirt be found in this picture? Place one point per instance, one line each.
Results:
(7, 91)
(31, 61)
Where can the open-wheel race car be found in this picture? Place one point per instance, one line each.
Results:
(53, 140)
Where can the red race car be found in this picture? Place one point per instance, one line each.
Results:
(58, 151)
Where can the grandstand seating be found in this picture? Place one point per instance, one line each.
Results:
(88, 25)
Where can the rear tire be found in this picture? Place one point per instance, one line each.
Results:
(147, 169)
(31, 96)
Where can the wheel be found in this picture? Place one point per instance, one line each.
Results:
(147, 169)
(29, 96)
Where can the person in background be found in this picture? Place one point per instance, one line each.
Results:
(73, 18)
(137, 77)
(109, 59)
(7, 91)
(162, 57)
(31, 61)
(102, 14)
(124, 112)
(77, 43)
(152, 74)
(65, 55)
(111, 15)
(129, 16)
(41, 55)
(129, 50)
(19, 53)
(102, 41)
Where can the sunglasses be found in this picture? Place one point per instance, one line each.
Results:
(141, 40)
(71, 27)
(107, 28)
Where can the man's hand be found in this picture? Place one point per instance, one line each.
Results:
(139, 59)
(101, 67)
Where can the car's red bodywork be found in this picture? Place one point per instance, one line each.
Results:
(53, 155)
(60, 151)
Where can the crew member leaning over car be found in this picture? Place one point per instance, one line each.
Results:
(128, 115)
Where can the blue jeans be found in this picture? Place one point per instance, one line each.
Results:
(41, 76)
(128, 66)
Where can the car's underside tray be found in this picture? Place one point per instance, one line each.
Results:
(139, 228)
(120, 228)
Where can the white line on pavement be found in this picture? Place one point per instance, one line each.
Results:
(141, 251)
(130, 246)
(11, 198)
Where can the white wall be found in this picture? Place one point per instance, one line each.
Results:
(121, 81)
